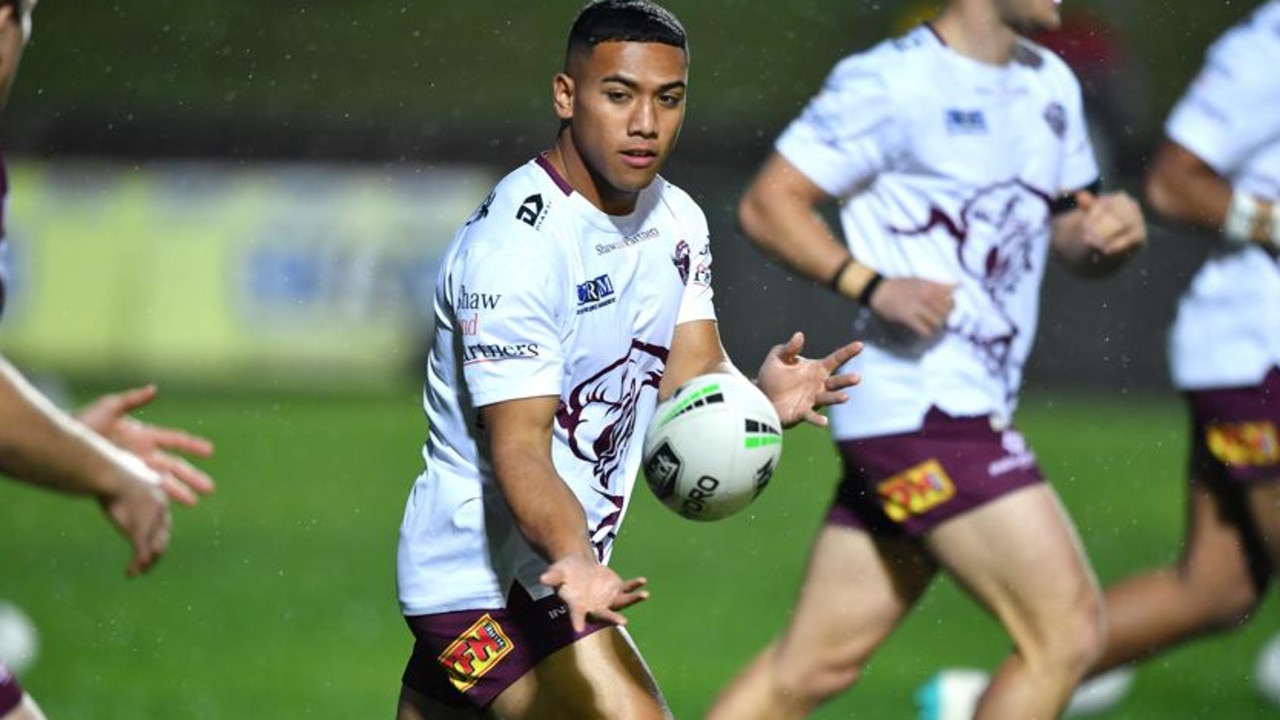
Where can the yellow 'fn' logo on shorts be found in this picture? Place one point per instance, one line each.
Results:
(1247, 443)
(915, 490)
(475, 652)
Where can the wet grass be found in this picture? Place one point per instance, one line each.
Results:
(278, 598)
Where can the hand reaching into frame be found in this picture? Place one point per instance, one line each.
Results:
(110, 416)
(798, 386)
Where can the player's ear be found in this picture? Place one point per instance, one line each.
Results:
(562, 95)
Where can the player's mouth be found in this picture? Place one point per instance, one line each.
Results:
(639, 158)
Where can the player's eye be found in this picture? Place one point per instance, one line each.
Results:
(670, 100)
(617, 96)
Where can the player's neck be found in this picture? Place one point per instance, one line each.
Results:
(564, 157)
(976, 31)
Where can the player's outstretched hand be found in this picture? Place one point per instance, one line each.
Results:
(1113, 223)
(138, 507)
(110, 416)
(918, 304)
(798, 386)
(592, 591)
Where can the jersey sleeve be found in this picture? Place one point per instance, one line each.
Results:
(848, 133)
(1230, 110)
(696, 303)
(509, 322)
(1079, 163)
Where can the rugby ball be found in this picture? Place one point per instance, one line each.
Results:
(19, 643)
(1266, 671)
(712, 447)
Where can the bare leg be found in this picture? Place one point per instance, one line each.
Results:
(416, 706)
(1214, 586)
(855, 592)
(601, 675)
(26, 710)
(1020, 557)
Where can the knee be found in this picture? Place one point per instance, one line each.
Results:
(812, 682)
(1226, 606)
(1076, 637)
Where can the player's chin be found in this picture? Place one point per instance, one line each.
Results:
(632, 180)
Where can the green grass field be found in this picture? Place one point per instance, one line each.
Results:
(277, 599)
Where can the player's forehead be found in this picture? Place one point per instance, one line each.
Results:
(653, 63)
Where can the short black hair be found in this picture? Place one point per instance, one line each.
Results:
(625, 21)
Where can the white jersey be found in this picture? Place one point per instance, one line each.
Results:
(1227, 332)
(543, 294)
(946, 168)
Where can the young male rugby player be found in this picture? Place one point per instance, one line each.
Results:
(577, 295)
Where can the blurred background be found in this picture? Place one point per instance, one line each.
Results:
(246, 201)
(262, 190)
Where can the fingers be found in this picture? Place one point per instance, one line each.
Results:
(1113, 224)
(126, 401)
(149, 533)
(177, 472)
(841, 356)
(790, 351)
(180, 441)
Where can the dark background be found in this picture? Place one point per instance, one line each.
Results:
(425, 83)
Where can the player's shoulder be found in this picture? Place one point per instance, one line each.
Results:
(522, 208)
(881, 58)
(1253, 43)
(1034, 57)
(678, 202)
(886, 63)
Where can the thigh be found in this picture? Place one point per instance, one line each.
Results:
(856, 588)
(1019, 556)
(1264, 532)
(601, 675)
(414, 705)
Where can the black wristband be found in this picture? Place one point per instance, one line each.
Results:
(834, 282)
(864, 297)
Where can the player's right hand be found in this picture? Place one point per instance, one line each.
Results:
(139, 508)
(920, 305)
(592, 591)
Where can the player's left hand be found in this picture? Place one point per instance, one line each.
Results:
(1113, 223)
(798, 386)
(109, 416)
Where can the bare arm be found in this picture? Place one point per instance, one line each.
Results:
(1183, 188)
(549, 515)
(779, 214)
(44, 446)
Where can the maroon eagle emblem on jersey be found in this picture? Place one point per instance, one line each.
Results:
(995, 236)
(680, 258)
(599, 416)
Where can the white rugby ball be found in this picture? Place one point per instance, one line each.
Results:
(712, 446)
(19, 642)
(1266, 671)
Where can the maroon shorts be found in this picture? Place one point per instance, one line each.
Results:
(908, 484)
(468, 657)
(1234, 432)
(10, 691)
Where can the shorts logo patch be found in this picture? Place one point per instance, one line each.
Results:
(476, 651)
(915, 491)
(1246, 443)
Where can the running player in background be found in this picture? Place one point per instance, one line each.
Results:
(104, 453)
(1219, 171)
(576, 296)
(960, 157)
